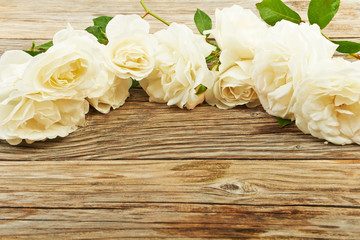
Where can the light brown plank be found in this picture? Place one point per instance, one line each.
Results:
(181, 221)
(109, 184)
(41, 19)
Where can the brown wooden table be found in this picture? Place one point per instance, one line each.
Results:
(148, 170)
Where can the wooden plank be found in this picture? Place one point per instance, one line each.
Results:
(109, 184)
(143, 130)
(41, 19)
(181, 221)
(148, 170)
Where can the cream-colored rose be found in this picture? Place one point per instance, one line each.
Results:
(114, 97)
(237, 33)
(130, 50)
(180, 67)
(233, 87)
(286, 53)
(30, 115)
(12, 66)
(328, 102)
(73, 67)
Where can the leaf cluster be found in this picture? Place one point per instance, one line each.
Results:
(99, 28)
(35, 50)
(320, 12)
(203, 23)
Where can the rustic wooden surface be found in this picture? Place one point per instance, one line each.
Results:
(148, 170)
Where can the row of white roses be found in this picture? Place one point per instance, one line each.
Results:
(290, 69)
(287, 68)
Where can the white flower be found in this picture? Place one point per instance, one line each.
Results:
(30, 115)
(237, 33)
(33, 118)
(130, 50)
(328, 102)
(180, 67)
(114, 97)
(233, 87)
(12, 66)
(282, 58)
(73, 67)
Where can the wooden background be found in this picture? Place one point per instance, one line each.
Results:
(148, 170)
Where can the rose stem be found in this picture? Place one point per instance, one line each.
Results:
(152, 14)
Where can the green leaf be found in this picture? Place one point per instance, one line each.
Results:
(202, 21)
(200, 89)
(283, 122)
(273, 11)
(102, 22)
(45, 46)
(96, 31)
(321, 12)
(134, 83)
(32, 53)
(347, 46)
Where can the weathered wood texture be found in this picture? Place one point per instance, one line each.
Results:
(148, 170)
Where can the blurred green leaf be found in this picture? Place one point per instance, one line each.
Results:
(96, 31)
(283, 122)
(347, 46)
(321, 12)
(32, 53)
(134, 83)
(201, 89)
(45, 46)
(102, 22)
(273, 11)
(202, 21)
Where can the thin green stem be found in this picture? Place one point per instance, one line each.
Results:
(354, 55)
(326, 37)
(32, 46)
(153, 14)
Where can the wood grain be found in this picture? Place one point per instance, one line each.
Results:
(172, 221)
(108, 184)
(149, 171)
(40, 19)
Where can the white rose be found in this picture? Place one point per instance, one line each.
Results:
(233, 87)
(180, 67)
(114, 97)
(282, 58)
(237, 33)
(328, 102)
(130, 50)
(73, 67)
(34, 118)
(12, 66)
(30, 115)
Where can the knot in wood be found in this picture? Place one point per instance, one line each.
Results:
(229, 187)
